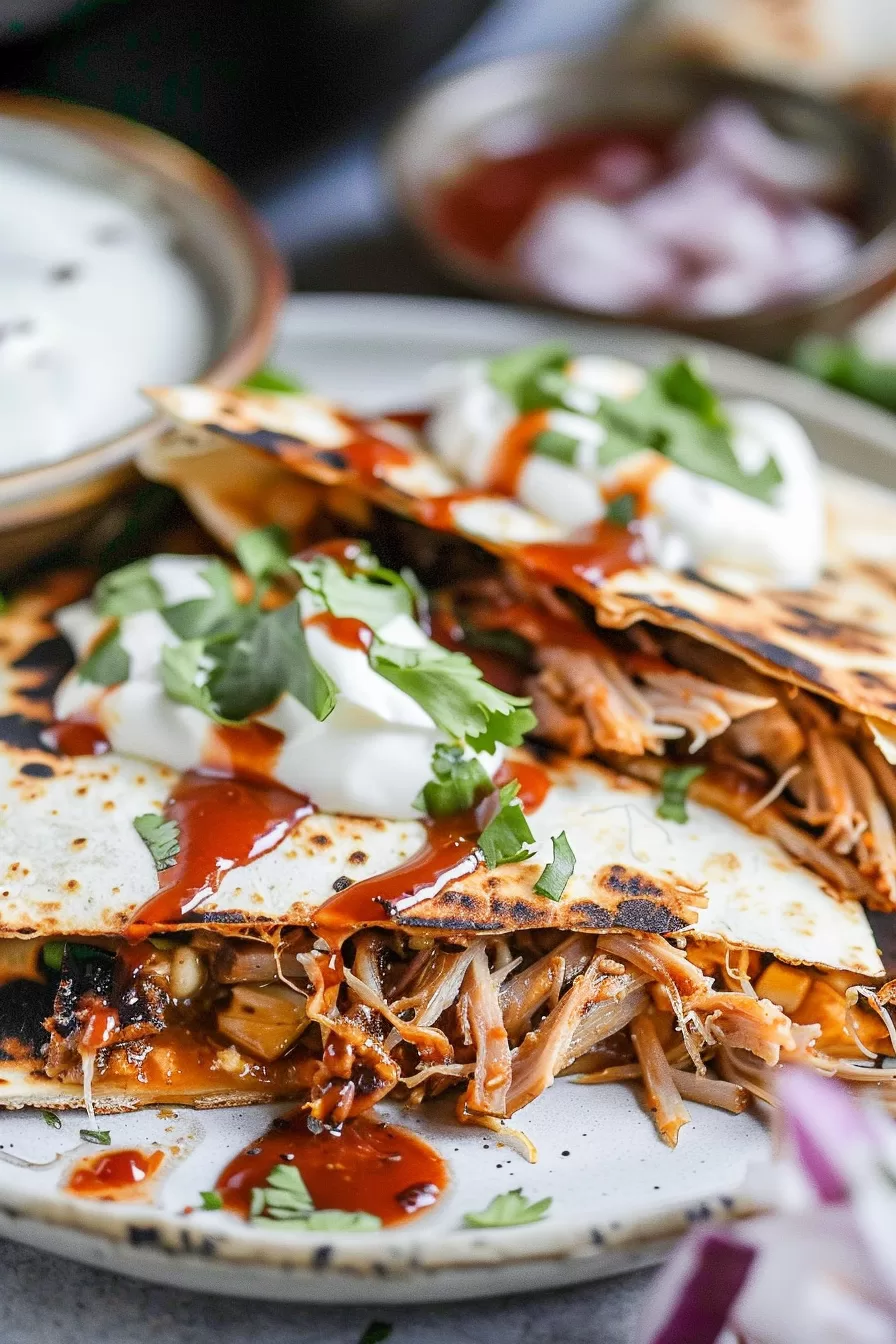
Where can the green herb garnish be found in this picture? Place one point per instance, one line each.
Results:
(372, 596)
(108, 663)
(842, 364)
(518, 375)
(622, 510)
(458, 784)
(52, 1119)
(676, 782)
(161, 837)
(128, 590)
(211, 1199)
(556, 875)
(450, 687)
(100, 1136)
(54, 951)
(267, 379)
(264, 552)
(507, 837)
(551, 443)
(270, 658)
(284, 1199)
(510, 1210)
(217, 616)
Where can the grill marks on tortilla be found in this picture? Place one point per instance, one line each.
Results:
(34, 658)
(831, 640)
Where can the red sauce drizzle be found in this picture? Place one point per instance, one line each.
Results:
(365, 1167)
(513, 451)
(248, 751)
(121, 1175)
(77, 736)
(224, 824)
(345, 630)
(590, 556)
(534, 782)
(415, 420)
(438, 511)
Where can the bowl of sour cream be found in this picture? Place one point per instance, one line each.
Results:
(125, 261)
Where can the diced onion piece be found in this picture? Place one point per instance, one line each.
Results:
(265, 1022)
(787, 986)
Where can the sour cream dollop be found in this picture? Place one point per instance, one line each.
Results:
(370, 757)
(691, 521)
(94, 304)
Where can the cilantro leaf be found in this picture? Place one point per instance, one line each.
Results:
(52, 1119)
(211, 1199)
(54, 951)
(622, 510)
(676, 782)
(510, 1210)
(127, 590)
(507, 837)
(267, 379)
(108, 663)
(373, 597)
(100, 1136)
(556, 875)
(458, 784)
(271, 657)
(216, 616)
(677, 415)
(451, 689)
(284, 1200)
(518, 374)
(161, 837)
(551, 443)
(375, 1333)
(182, 665)
(264, 552)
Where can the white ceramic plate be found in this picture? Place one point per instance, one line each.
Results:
(619, 1196)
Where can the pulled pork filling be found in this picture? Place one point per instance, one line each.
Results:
(780, 759)
(500, 1016)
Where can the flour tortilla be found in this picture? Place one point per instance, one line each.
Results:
(72, 862)
(838, 640)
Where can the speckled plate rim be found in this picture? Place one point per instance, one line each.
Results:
(406, 1266)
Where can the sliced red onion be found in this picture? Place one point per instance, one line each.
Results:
(825, 1125)
(699, 1290)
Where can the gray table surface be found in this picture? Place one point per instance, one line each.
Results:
(337, 228)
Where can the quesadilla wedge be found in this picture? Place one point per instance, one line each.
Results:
(786, 696)
(271, 840)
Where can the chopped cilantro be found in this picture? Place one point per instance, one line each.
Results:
(676, 782)
(510, 1210)
(211, 1199)
(452, 691)
(551, 443)
(182, 665)
(553, 880)
(284, 1201)
(458, 784)
(507, 837)
(518, 374)
(843, 364)
(127, 590)
(52, 1119)
(373, 596)
(375, 1333)
(100, 1136)
(161, 837)
(264, 552)
(267, 379)
(108, 663)
(217, 616)
(271, 657)
(622, 510)
(677, 414)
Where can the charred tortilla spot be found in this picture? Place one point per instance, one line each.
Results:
(774, 653)
(588, 916)
(341, 883)
(266, 439)
(37, 770)
(357, 856)
(22, 733)
(647, 917)
(332, 457)
(321, 841)
(631, 885)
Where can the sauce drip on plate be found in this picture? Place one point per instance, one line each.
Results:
(122, 1175)
(365, 1167)
(224, 824)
